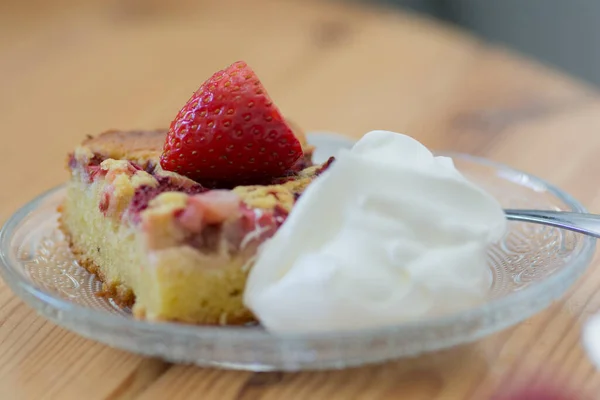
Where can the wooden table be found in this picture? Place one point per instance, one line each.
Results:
(68, 69)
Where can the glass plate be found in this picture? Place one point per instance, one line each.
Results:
(531, 267)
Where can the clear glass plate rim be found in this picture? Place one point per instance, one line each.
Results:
(97, 317)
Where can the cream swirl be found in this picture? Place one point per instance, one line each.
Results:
(388, 233)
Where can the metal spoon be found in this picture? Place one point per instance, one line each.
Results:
(588, 224)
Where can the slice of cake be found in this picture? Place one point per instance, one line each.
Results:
(177, 248)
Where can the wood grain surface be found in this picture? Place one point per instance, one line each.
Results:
(70, 68)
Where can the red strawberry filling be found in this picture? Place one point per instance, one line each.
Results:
(231, 223)
(325, 166)
(144, 194)
(105, 199)
(209, 208)
(213, 207)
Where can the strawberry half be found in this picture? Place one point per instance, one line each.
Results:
(230, 130)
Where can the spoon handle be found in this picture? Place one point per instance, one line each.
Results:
(588, 224)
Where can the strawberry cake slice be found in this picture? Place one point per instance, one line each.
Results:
(170, 220)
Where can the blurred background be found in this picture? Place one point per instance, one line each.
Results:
(563, 33)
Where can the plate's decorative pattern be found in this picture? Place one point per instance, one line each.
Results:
(528, 253)
(51, 266)
(531, 266)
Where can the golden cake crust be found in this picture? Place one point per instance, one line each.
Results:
(127, 145)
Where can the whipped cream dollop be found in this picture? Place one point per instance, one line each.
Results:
(388, 233)
(591, 339)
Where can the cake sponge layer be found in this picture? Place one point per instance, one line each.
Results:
(177, 283)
